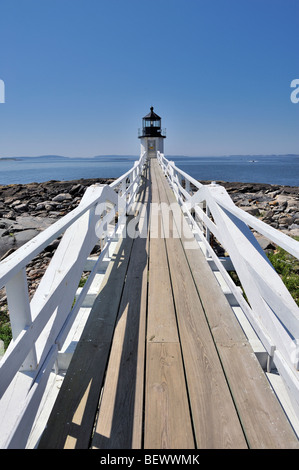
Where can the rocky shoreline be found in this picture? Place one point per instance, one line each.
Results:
(27, 209)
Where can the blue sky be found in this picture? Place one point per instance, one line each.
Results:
(80, 74)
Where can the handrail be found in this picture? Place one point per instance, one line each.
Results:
(34, 347)
(270, 308)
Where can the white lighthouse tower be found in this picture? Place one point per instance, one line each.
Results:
(151, 135)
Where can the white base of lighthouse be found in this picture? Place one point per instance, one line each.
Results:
(152, 145)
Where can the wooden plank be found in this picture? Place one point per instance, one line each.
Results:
(161, 324)
(263, 420)
(120, 418)
(167, 418)
(215, 420)
(119, 423)
(72, 418)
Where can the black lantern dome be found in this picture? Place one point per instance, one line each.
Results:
(151, 125)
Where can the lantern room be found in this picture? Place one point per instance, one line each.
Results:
(151, 134)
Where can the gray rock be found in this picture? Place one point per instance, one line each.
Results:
(21, 207)
(15, 203)
(31, 222)
(24, 236)
(6, 244)
(16, 240)
(11, 215)
(253, 211)
(286, 220)
(7, 253)
(62, 197)
(268, 215)
(265, 243)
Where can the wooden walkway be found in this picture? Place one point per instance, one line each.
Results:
(162, 362)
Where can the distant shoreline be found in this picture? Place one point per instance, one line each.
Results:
(62, 157)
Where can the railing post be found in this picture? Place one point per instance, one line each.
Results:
(135, 179)
(187, 186)
(208, 233)
(20, 313)
(123, 187)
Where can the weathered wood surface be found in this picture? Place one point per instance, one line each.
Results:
(163, 362)
(71, 422)
(120, 419)
(166, 399)
(259, 411)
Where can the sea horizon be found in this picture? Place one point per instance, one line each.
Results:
(276, 169)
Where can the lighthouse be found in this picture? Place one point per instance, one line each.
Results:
(151, 135)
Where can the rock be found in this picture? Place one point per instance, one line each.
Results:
(245, 203)
(24, 236)
(16, 240)
(274, 224)
(35, 273)
(273, 193)
(268, 215)
(265, 243)
(11, 215)
(253, 211)
(52, 246)
(76, 189)
(7, 243)
(7, 253)
(62, 197)
(16, 203)
(21, 207)
(282, 199)
(40, 205)
(286, 220)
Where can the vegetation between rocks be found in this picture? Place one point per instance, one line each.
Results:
(287, 266)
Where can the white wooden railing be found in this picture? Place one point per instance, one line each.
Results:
(270, 309)
(40, 326)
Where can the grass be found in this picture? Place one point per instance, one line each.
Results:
(5, 329)
(287, 266)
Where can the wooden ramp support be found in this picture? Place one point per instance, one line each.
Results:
(162, 362)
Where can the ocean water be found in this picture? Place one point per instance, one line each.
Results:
(274, 169)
